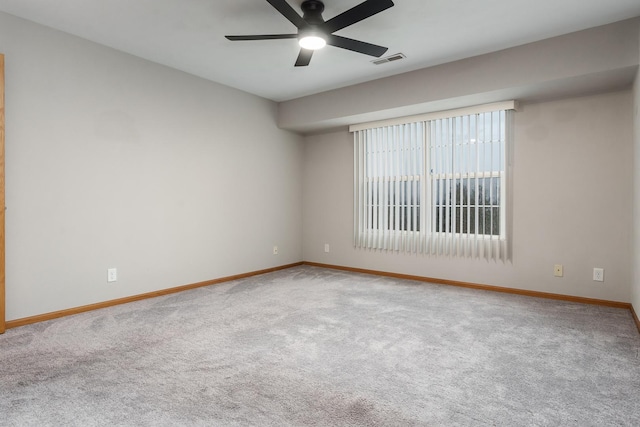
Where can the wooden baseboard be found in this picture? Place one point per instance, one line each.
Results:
(535, 294)
(635, 317)
(62, 313)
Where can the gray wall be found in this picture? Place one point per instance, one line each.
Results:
(113, 161)
(572, 204)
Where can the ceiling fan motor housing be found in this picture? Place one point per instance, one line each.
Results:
(312, 12)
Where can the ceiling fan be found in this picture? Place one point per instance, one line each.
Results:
(314, 32)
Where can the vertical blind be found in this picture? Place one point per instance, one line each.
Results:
(437, 187)
(389, 167)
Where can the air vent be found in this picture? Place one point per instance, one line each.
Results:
(390, 58)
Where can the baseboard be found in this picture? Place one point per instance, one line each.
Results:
(635, 317)
(71, 311)
(535, 294)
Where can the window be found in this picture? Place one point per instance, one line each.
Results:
(435, 186)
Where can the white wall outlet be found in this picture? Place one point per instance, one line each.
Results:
(275, 250)
(598, 274)
(557, 270)
(326, 247)
(112, 275)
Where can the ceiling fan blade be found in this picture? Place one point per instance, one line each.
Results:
(263, 37)
(288, 12)
(356, 14)
(356, 45)
(304, 57)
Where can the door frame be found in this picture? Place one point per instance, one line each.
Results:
(2, 200)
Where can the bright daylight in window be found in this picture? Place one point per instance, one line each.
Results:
(436, 186)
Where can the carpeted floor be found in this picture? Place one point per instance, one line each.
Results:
(311, 346)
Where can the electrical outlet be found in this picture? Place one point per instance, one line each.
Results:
(275, 250)
(326, 247)
(557, 270)
(598, 274)
(112, 275)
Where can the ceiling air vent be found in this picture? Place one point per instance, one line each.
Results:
(390, 58)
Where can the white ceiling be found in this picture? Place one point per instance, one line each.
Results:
(189, 35)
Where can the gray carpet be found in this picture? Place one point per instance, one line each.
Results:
(311, 346)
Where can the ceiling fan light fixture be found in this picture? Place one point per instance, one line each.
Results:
(312, 42)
